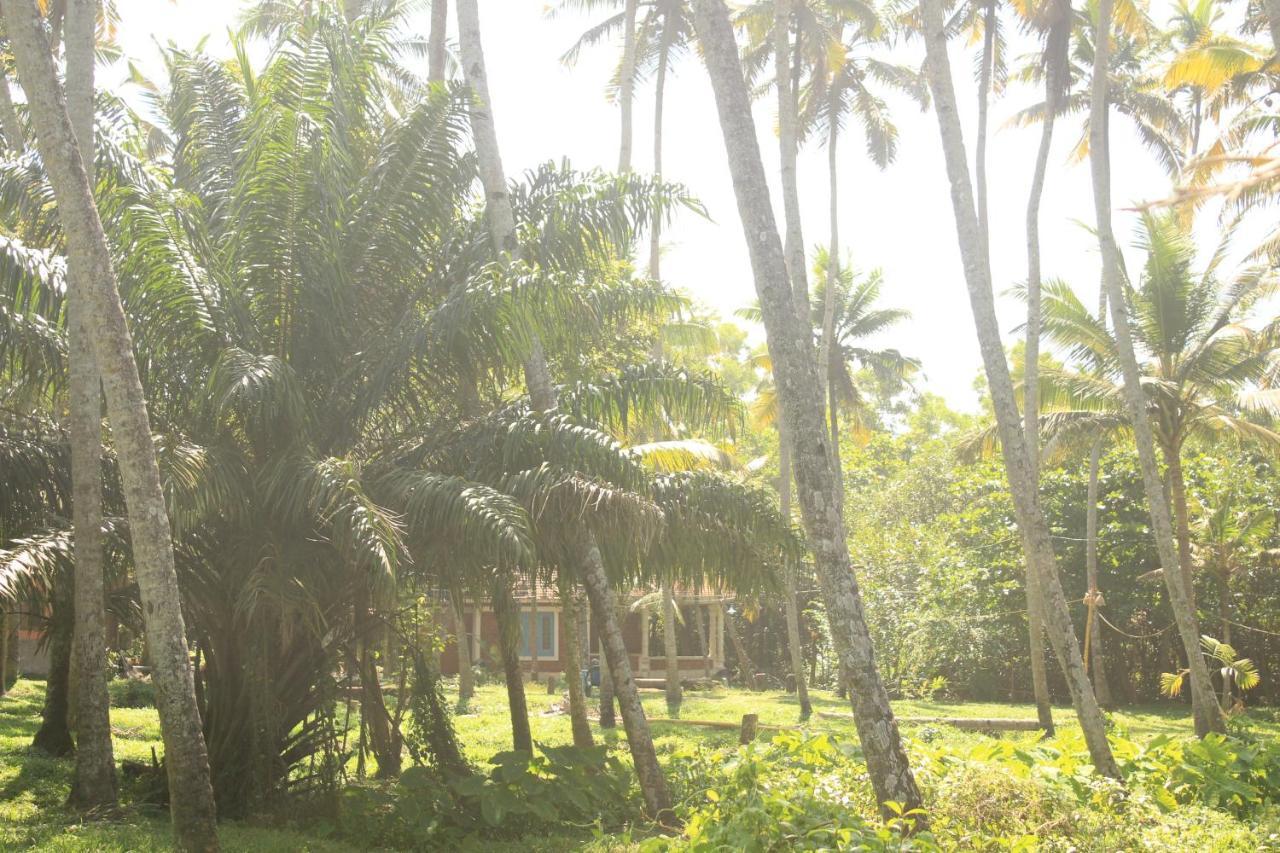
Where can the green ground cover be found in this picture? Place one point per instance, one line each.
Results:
(987, 792)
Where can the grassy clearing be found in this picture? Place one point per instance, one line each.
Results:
(33, 788)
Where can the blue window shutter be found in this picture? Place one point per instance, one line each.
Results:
(547, 635)
(525, 632)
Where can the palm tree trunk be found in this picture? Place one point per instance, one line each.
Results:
(826, 350)
(436, 41)
(507, 614)
(659, 98)
(573, 666)
(543, 395)
(1096, 653)
(984, 107)
(788, 143)
(1022, 486)
(5, 622)
(1182, 521)
(792, 607)
(607, 718)
(626, 100)
(186, 759)
(1056, 55)
(54, 735)
(94, 787)
(704, 646)
(640, 741)
(462, 639)
(670, 641)
(746, 666)
(1204, 703)
(533, 630)
(796, 374)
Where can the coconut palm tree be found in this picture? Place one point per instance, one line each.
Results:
(1030, 517)
(795, 369)
(1196, 377)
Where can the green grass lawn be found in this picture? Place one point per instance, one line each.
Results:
(33, 788)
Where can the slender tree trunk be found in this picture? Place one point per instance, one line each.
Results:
(437, 54)
(533, 631)
(1205, 709)
(10, 647)
(507, 614)
(984, 106)
(5, 621)
(186, 760)
(746, 666)
(607, 718)
(796, 376)
(1182, 520)
(1273, 23)
(1096, 653)
(1055, 57)
(543, 394)
(384, 737)
(785, 75)
(792, 606)
(94, 787)
(826, 349)
(788, 143)
(1224, 623)
(462, 637)
(54, 735)
(1022, 486)
(573, 666)
(626, 101)
(670, 646)
(659, 99)
(704, 646)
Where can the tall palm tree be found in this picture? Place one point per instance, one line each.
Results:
(1030, 516)
(1201, 366)
(1204, 707)
(796, 372)
(1056, 26)
(186, 757)
(543, 395)
(95, 783)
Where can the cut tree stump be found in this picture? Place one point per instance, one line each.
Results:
(750, 722)
(1007, 724)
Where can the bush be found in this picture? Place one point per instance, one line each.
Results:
(793, 793)
(523, 794)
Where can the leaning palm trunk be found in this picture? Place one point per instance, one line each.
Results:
(670, 638)
(791, 606)
(1172, 453)
(542, 392)
(1093, 651)
(578, 721)
(984, 107)
(1022, 486)
(186, 760)
(1056, 57)
(796, 374)
(94, 788)
(1204, 703)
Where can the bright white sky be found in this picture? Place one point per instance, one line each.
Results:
(899, 219)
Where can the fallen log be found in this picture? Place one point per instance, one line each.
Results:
(982, 724)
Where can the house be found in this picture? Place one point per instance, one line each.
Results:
(540, 621)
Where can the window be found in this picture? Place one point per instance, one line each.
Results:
(548, 647)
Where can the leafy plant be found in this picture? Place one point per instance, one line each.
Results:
(1240, 672)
